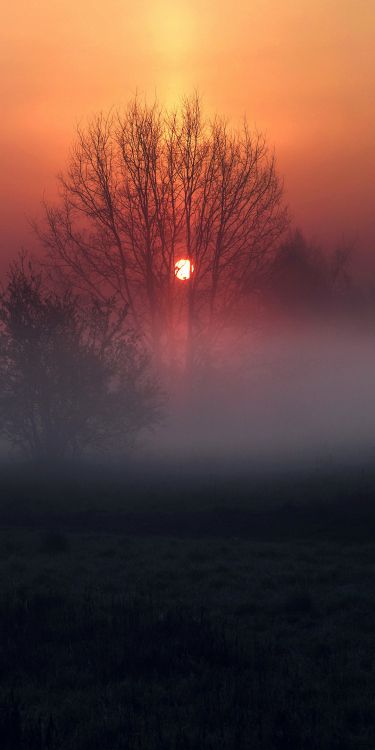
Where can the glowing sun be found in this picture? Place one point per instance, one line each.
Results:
(183, 269)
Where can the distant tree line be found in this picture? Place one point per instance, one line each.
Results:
(305, 280)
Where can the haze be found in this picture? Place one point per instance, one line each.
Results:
(286, 399)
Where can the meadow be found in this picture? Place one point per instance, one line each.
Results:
(188, 615)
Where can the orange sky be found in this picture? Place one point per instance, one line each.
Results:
(302, 70)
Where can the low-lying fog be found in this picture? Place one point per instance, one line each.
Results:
(305, 397)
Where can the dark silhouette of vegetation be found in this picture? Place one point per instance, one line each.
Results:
(73, 377)
(304, 280)
(145, 187)
(254, 625)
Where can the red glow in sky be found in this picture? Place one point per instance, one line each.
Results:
(302, 71)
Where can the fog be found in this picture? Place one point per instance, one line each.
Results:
(275, 387)
(282, 399)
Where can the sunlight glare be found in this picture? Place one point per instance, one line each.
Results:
(183, 269)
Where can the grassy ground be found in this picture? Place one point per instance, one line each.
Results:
(161, 625)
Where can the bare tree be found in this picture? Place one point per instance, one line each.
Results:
(73, 378)
(148, 186)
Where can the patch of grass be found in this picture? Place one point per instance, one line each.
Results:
(53, 543)
(245, 609)
(120, 672)
(299, 602)
(218, 630)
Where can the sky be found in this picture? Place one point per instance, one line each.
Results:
(302, 71)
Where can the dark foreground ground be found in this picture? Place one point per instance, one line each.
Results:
(179, 614)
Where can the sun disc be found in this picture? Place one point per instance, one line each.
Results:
(183, 269)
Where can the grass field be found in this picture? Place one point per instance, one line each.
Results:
(236, 615)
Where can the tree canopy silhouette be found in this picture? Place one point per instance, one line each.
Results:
(147, 186)
(73, 377)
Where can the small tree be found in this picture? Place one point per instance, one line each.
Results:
(73, 378)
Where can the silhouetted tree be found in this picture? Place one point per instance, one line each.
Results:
(73, 378)
(305, 280)
(148, 186)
